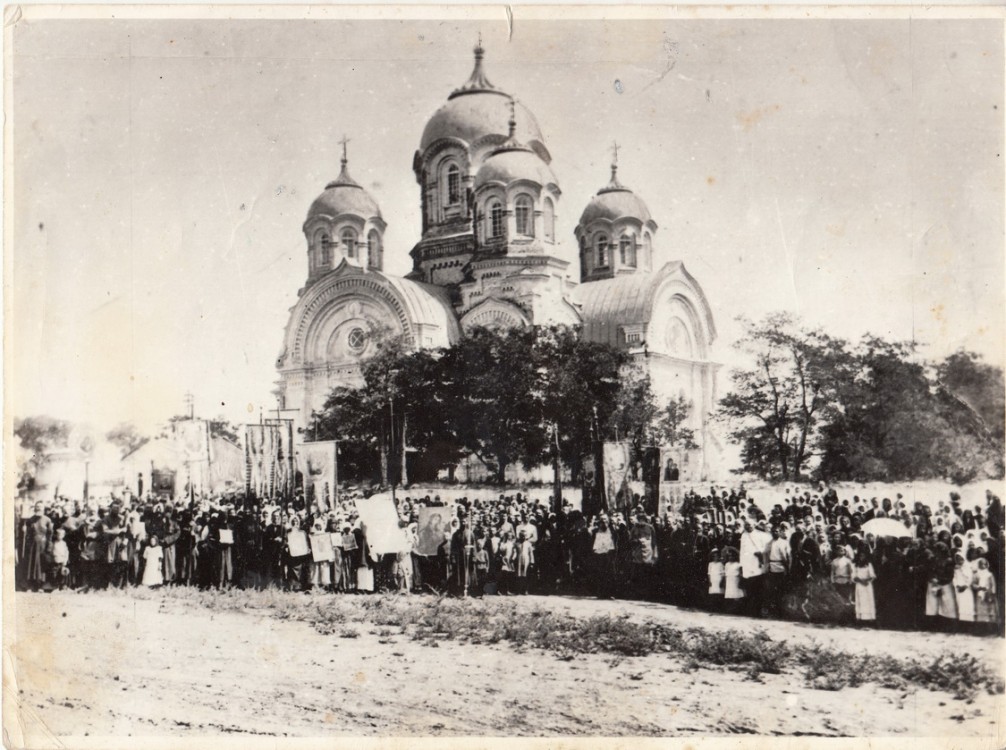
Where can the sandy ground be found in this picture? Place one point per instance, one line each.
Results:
(111, 664)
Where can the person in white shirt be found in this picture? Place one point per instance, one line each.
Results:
(779, 559)
(753, 544)
(716, 574)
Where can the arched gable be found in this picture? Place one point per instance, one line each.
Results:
(326, 323)
(494, 313)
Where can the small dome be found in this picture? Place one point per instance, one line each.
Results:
(478, 109)
(510, 164)
(344, 196)
(615, 201)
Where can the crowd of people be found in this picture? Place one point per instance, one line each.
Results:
(811, 556)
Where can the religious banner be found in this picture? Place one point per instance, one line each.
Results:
(282, 459)
(321, 547)
(318, 465)
(268, 455)
(617, 474)
(192, 437)
(296, 542)
(381, 524)
(256, 479)
(434, 527)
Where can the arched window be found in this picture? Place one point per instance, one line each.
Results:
(374, 250)
(349, 240)
(549, 220)
(453, 184)
(524, 211)
(627, 251)
(601, 245)
(324, 250)
(494, 218)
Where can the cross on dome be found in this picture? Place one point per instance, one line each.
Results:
(614, 184)
(343, 179)
(477, 81)
(344, 141)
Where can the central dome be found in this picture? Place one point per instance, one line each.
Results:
(509, 165)
(478, 109)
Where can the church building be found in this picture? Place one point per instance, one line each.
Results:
(488, 256)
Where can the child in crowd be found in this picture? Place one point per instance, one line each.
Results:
(153, 564)
(716, 572)
(732, 591)
(60, 560)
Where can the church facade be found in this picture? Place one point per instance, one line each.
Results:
(488, 256)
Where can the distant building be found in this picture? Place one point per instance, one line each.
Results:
(186, 456)
(488, 256)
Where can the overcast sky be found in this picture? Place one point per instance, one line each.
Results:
(848, 171)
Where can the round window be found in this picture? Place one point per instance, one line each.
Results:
(357, 340)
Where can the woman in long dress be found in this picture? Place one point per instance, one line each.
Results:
(941, 605)
(153, 560)
(964, 577)
(986, 605)
(715, 572)
(864, 576)
(732, 591)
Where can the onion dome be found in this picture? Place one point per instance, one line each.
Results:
(613, 202)
(513, 161)
(344, 195)
(475, 110)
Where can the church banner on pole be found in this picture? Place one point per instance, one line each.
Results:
(617, 474)
(318, 464)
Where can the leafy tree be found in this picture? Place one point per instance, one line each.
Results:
(39, 436)
(219, 428)
(777, 404)
(896, 423)
(636, 411)
(351, 416)
(493, 385)
(671, 425)
(126, 437)
(980, 386)
(580, 383)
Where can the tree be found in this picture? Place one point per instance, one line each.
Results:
(896, 422)
(777, 404)
(980, 386)
(579, 382)
(492, 382)
(39, 436)
(126, 437)
(350, 416)
(671, 427)
(636, 411)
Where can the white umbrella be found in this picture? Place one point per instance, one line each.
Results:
(887, 527)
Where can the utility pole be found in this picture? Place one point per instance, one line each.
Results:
(556, 472)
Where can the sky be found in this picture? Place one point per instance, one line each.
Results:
(848, 171)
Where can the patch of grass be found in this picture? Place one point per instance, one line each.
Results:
(429, 620)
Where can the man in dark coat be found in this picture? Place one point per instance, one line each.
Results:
(38, 546)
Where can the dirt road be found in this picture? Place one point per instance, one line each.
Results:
(113, 664)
